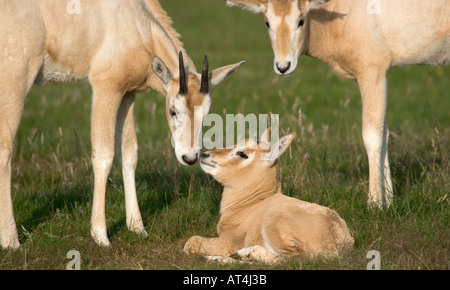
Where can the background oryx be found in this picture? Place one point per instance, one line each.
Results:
(122, 48)
(359, 40)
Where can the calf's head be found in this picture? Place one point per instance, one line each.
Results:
(248, 161)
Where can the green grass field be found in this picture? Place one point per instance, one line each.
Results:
(327, 163)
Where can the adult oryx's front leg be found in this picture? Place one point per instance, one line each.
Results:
(11, 106)
(127, 152)
(375, 135)
(106, 103)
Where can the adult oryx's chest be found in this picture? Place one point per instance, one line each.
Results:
(53, 72)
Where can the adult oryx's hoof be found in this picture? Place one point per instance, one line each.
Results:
(100, 237)
(137, 226)
(10, 242)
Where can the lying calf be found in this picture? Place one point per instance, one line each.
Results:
(257, 221)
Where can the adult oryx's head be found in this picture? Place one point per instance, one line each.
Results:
(286, 21)
(188, 102)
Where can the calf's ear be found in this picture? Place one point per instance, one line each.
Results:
(280, 147)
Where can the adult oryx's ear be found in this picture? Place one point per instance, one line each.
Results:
(218, 75)
(315, 4)
(161, 71)
(280, 147)
(255, 6)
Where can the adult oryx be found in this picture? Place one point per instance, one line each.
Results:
(122, 48)
(360, 40)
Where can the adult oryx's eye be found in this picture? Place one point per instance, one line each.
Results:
(242, 154)
(172, 113)
(301, 22)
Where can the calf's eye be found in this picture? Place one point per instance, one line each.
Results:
(242, 154)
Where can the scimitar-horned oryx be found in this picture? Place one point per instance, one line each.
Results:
(360, 40)
(257, 221)
(122, 48)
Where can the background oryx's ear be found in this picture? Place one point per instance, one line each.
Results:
(315, 4)
(281, 146)
(255, 6)
(218, 75)
(161, 71)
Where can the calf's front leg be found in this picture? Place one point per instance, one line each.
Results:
(200, 246)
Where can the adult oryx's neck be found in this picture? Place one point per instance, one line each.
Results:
(159, 18)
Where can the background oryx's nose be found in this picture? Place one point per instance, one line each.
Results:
(190, 160)
(283, 66)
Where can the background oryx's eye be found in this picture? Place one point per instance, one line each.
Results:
(301, 22)
(172, 113)
(242, 154)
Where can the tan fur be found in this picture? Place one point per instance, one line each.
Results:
(361, 43)
(121, 47)
(257, 221)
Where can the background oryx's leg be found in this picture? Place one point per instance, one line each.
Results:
(127, 152)
(375, 133)
(106, 104)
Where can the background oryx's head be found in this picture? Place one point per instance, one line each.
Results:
(286, 21)
(188, 102)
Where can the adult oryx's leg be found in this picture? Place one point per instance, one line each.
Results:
(11, 105)
(22, 40)
(106, 102)
(16, 78)
(375, 135)
(127, 152)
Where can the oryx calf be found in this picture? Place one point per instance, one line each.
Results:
(257, 221)
(360, 40)
(122, 48)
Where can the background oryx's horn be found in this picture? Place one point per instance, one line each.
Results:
(183, 78)
(204, 89)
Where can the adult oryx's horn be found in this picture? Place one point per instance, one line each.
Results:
(183, 78)
(204, 89)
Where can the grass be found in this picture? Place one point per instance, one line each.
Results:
(327, 163)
